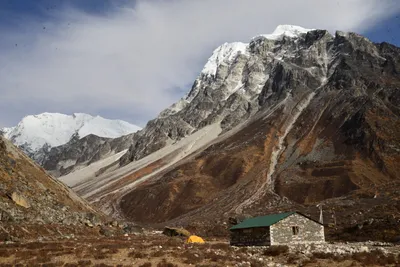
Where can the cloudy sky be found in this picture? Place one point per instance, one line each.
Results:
(131, 59)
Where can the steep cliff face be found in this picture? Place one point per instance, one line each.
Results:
(319, 122)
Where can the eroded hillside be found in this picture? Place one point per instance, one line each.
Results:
(33, 204)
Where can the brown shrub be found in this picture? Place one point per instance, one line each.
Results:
(142, 246)
(174, 254)
(80, 252)
(100, 256)
(243, 250)
(71, 265)
(83, 263)
(323, 255)
(35, 245)
(67, 251)
(43, 258)
(157, 254)
(375, 257)
(212, 256)
(4, 253)
(254, 263)
(146, 264)
(112, 246)
(276, 250)
(209, 265)
(192, 257)
(391, 259)
(309, 261)
(329, 256)
(165, 263)
(292, 259)
(110, 251)
(68, 244)
(26, 254)
(137, 255)
(222, 246)
(173, 242)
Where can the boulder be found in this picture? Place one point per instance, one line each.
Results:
(132, 229)
(20, 200)
(105, 231)
(171, 231)
(89, 224)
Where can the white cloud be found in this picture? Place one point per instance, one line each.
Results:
(138, 60)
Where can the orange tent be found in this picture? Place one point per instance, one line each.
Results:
(195, 239)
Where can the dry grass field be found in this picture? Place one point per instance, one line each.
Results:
(161, 251)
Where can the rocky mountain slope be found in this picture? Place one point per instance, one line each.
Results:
(37, 135)
(287, 121)
(219, 94)
(79, 153)
(34, 204)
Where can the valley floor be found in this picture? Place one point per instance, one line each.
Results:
(158, 250)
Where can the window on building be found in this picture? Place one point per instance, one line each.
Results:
(249, 230)
(295, 230)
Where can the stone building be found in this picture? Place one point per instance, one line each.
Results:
(277, 229)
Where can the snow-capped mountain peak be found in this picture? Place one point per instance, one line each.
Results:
(227, 52)
(54, 129)
(285, 30)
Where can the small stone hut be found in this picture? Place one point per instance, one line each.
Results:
(277, 229)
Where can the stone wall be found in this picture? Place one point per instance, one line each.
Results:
(250, 237)
(308, 231)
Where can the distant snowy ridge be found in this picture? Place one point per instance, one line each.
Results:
(54, 129)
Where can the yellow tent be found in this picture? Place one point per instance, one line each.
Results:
(195, 239)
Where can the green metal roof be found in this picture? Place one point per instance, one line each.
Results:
(262, 221)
